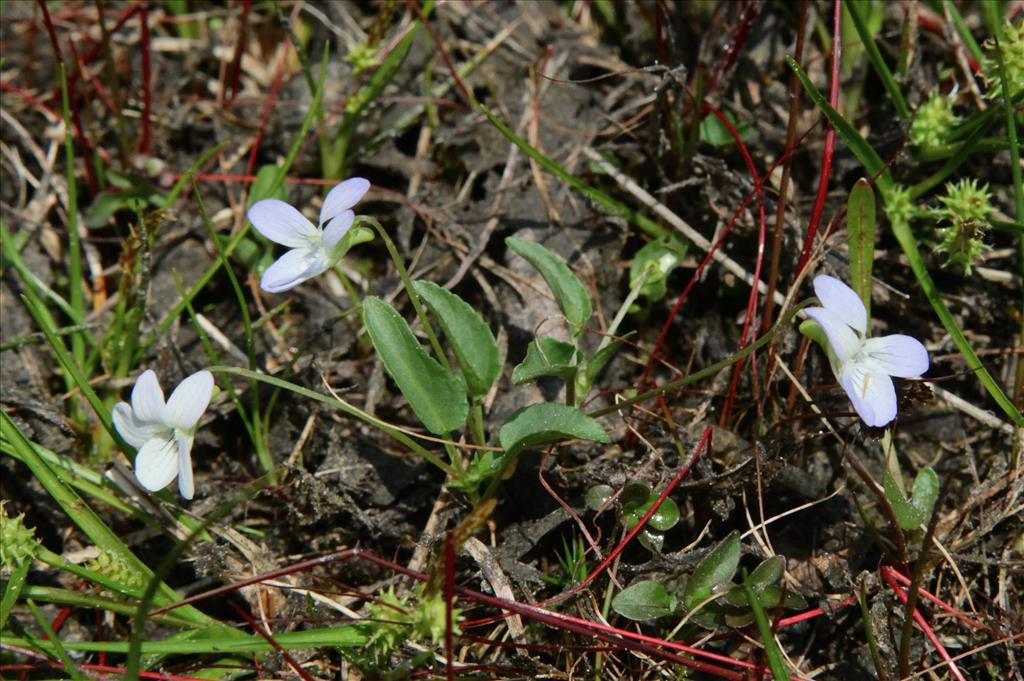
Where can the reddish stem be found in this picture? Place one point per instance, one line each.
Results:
(269, 638)
(268, 107)
(76, 121)
(830, 140)
(973, 623)
(235, 71)
(923, 623)
(752, 299)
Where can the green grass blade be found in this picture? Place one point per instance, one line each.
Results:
(964, 31)
(155, 585)
(383, 426)
(333, 162)
(881, 68)
(14, 588)
(771, 646)
(82, 478)
(71, 367)
(75, 294)
(80, 512)
(58, 646)
(223, 640)
(864, 152)
(93, 601)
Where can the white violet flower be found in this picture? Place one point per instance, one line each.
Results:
(163, 431)
(864, 365)
(312, 247)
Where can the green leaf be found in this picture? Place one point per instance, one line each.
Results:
(657, 260)
(637, 499)
(470, 337)
(568, 290)
(263, 186)
(646, 600)
(716, 569)
(913, 513)
(542, 424)
(864, 152)
(860, 237)
(434, 393)
(598, 496)
(714, 132)
(546, 356)
(768, 572)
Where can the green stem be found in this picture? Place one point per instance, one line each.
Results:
(407, 283)
(881, 68)
(75, 294)
(345, 407)
(706, 372)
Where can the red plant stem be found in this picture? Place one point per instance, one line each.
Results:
(622, 638)
(973, 623)
(147, 92)
(704, 441)
(76, 120)
(752, 299)
(95, 81)
(830, 140)
(816, 612)
(98, 47)
(235, 72)
(659, 344)
(923, 623)
(737, 40)
(102, 668)
(269, 638)
(268, 107)
(59, 620)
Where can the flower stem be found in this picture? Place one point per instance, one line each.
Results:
(407, 283)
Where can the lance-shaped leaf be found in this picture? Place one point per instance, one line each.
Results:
(860, 237)
(546, 357)
(715, 570)
(435, 394)
(545, 423)
(568, 290)
(470, 337)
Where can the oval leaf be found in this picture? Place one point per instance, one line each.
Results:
(568, 290)
(434, 393)
(546, 357)
(470, 337)
(926, 491)
(644, 600)
(716, 569)
(542, 424)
